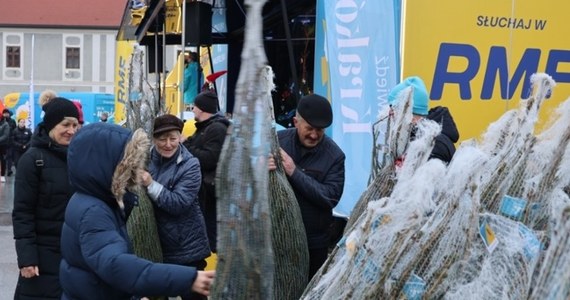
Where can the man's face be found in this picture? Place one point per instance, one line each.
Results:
(197, 112)
(6, 115)
(309, 136)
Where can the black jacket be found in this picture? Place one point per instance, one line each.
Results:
(21, 139)
(206, 145)
(444, 147)
(41, 194)
(12, 123)
(318, 182)
(5, 131)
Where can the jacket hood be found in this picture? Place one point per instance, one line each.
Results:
(442, 116)
(103, 159)
(214, 118)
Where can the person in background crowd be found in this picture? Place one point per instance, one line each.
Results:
(7, 114)
(98, 262)
(41, 193)
(46, 96)
(21, 138)
(80, 112)
(173, 182)
(444, 147)
(314, 165)
(192, 76)
(4, 146)
(104, 117)
(206, 145)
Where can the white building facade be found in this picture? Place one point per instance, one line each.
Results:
(68, 60)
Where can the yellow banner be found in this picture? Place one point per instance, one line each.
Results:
(173, 90)
(122, 62)
(173, 20)
(476, 57)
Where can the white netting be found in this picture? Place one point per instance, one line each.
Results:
(554, 273)
(502, 274)
(245, 266)
(397, 121)
(142, 105)
(493, 224)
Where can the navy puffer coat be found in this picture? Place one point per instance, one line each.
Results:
(97, 256)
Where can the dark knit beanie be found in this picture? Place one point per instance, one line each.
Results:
(56, 110)
(166, 123)
(316, 110)
(207, 102)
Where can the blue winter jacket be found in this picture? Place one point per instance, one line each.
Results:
(97, 257)
(179, 219)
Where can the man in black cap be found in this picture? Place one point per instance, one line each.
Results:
(314, 165)
(206, 144)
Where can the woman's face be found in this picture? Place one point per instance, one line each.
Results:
(22, 123)
(167, 143)
(64, 131)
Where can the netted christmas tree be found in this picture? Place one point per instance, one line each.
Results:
(141, 108)
(245, 268)
(493, 224)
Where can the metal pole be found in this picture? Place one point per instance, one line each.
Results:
(290, 49)
(163, 76)
(212, 68)
(198, 69)
(182, 107)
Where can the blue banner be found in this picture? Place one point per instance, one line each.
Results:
(356, 65)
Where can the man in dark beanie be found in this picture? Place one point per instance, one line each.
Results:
(41, 194)
(206, 102)
(206, 144)
(314, 165)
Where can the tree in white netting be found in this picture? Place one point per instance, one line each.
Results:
(245, 267)
(491, 225)
(397, 121)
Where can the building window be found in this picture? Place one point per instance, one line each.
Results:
(72, 56)
(13, 56)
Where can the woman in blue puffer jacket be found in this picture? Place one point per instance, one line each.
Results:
(105, 161)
